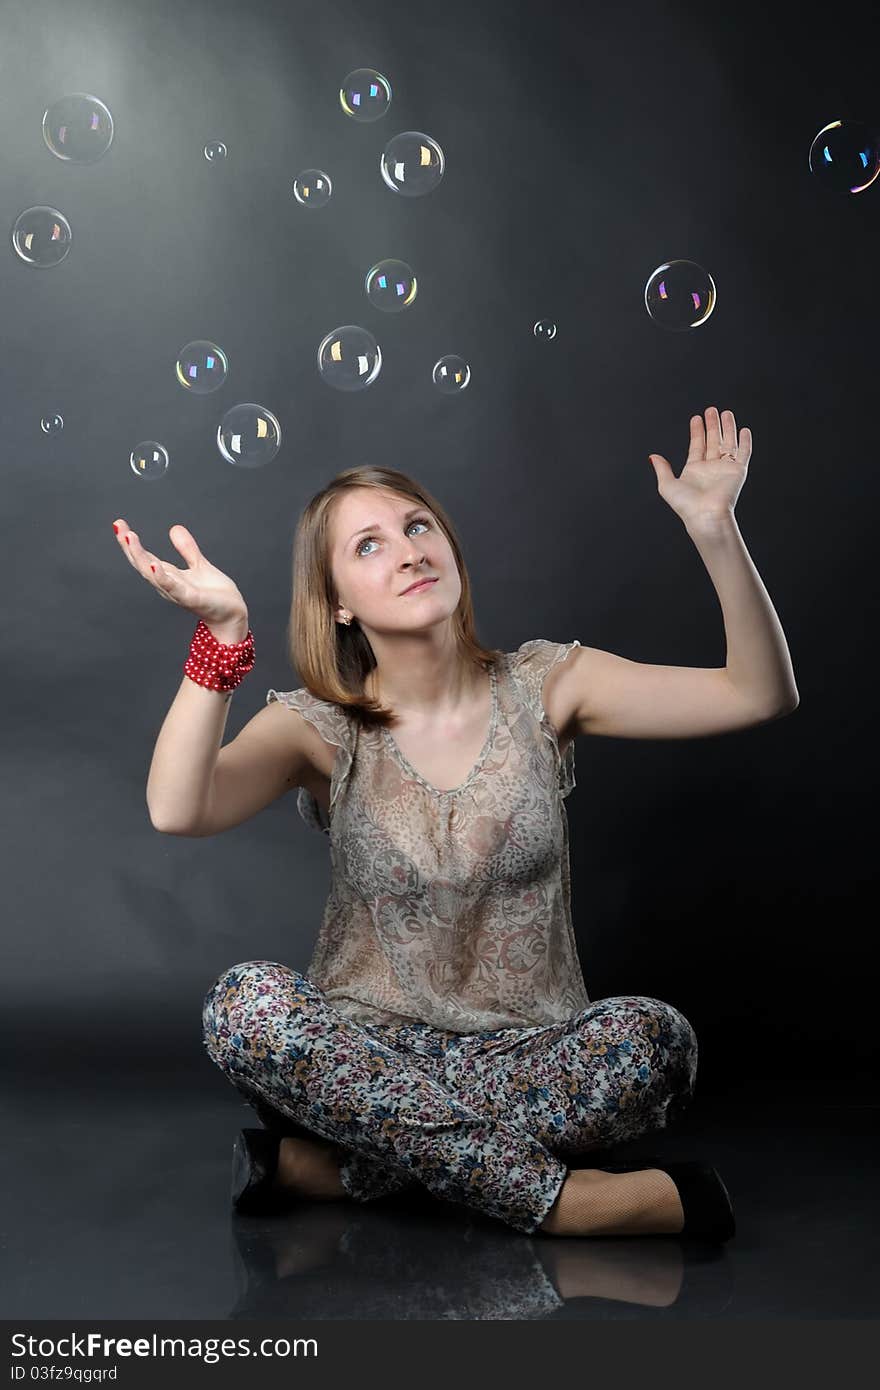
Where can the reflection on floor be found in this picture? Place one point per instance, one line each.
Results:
(121, 1210)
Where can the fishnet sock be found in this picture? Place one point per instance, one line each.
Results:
(592, 1202)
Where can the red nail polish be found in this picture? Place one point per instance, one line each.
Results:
(127, 541)
(116, 528)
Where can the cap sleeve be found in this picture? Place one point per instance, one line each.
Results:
(530, 665)
(333, 725)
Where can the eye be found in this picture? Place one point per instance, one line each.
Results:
(416, 521)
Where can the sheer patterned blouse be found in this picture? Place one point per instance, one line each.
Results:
(451, 908)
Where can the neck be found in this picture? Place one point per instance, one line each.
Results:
(426, 689)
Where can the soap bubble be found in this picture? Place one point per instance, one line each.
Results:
(365, 94)
(451, 374)
(249, 435)
(78, 128)
(201, 367)
(149, 460)
(41, 236)
(545, 328)
(680, 295)
(349, 358)
(412, 163)
(51, 424)
(845, 156)
(312, 188)
(214, 150)
(391, 286)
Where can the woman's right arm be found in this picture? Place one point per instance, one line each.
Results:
(195, 787)
(186, 752)
(209, 789)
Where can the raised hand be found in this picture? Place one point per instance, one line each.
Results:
(708, 486)
(201, 588)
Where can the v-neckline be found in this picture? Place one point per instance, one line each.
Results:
(490, 736)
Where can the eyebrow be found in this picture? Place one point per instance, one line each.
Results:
(374, 526)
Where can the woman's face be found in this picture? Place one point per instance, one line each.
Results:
(372, 567)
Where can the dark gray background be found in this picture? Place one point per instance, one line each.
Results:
(584, 147)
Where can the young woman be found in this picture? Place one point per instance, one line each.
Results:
(442, 1037)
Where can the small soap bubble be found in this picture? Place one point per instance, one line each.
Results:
(51, 424)
(391, 286)
(451, 374)
(680, 295)
(545, 328)
(78, 128)
(201, 367)
(215, 150)
(149, 460)
(365, 95)
(845, 156)
(349, 358)
(412, 163)
(249, 436)
(312, 188)
(41, 236)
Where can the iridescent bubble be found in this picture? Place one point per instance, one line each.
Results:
(249, 436)
(680, 295)
(545, 328)
(201, 367)
(51, 424)
(391, 286)
(451, 374)
(215, 149)
(845, 156)
(365, 95)
(349, 358)
(312, 188)
(78, 128)
(149, 460)
(41, 236)
(412, 163)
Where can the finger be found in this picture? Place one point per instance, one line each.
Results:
(697, 449)
(728, 431)
(713, 432)
(142, 559)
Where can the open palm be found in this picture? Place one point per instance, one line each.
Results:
(708, 486)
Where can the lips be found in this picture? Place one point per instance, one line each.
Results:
(421, 584)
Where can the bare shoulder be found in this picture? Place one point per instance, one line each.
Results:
(299, 745)
(561, 693)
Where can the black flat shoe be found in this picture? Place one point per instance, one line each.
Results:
(705, 1201)
(254, 1165)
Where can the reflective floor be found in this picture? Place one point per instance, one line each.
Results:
(117, 1206)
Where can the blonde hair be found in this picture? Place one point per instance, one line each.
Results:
(334, 660)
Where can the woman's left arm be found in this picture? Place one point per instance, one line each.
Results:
(600, 693)
(758, 663)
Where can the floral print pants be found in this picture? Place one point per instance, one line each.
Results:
(487, 1120)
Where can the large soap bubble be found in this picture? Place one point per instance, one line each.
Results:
(201, 367)
(680, 295)
(451, 374)
(249, 435)
(365, 95)
(391, 286)
(349, 358)
(312, 188)
(845, 156)
(41, 236)
(78, 128)
(412, 163)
